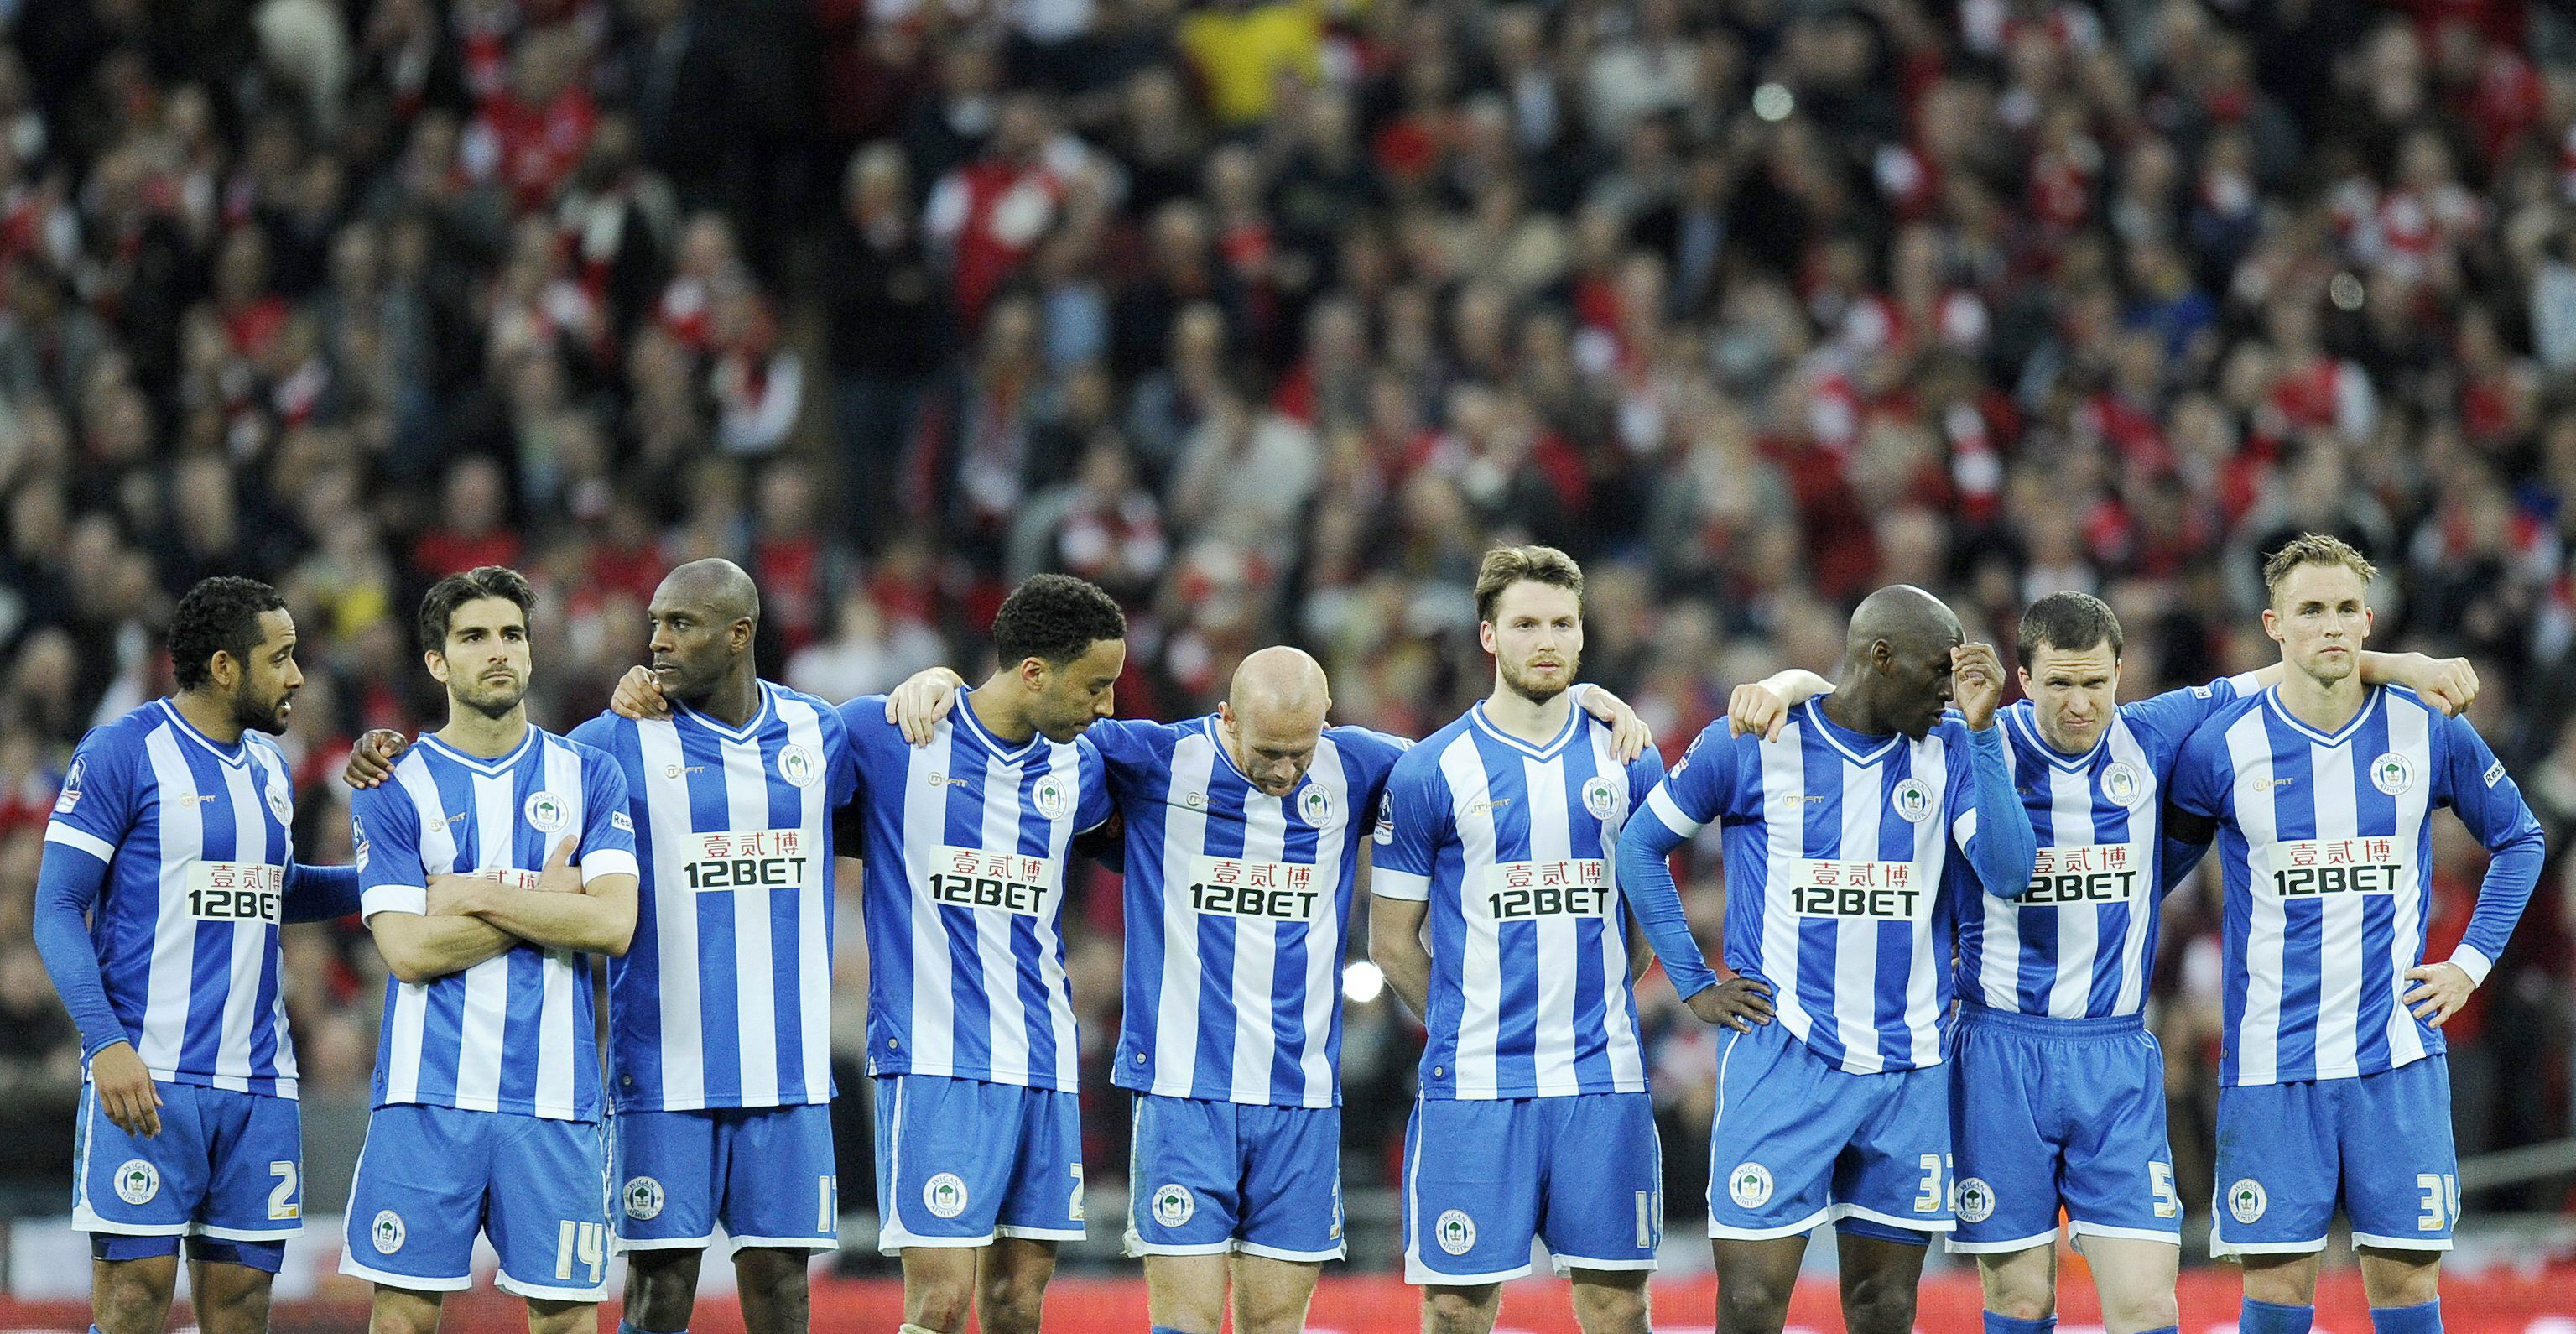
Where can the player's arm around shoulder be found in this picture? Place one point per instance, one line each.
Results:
(1994, 827)
(1413, 817)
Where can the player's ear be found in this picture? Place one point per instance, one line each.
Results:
(437, 664)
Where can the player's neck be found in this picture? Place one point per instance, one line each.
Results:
(214, 717)
(1526, 719)
(1851, 708)
(734, 701)
(995, 707)
(2323, 705)
(481, 735)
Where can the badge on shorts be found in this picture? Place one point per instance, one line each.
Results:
(1173, 1204)
(796, 765)
(2246, 1201)
(643, 1198)
(388, 1232)
(1456, 1231)
(2120, 783)
(137, 1181)
(1315, 806)
(1913, 801)
(944, 1195)
(2392, 773)
(1599, 797)
(1976, 1200)
(545, 812)
(1051, 799)
(1749, 1185)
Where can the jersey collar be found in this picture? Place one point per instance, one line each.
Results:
(489, 768)
(1574, 718)
(2369, 706)
(965, 720)
(759, 718)
(237, 756)
(1835, 733)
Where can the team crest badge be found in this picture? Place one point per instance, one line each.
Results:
(1912, 800)
(944, 1195)
(1456, 1232)
(546, 812)
(2121, 784)
(1315, 806)
(1976, 1200)
(2246, 1201)
(1749, 1185)
(71, 787)
(1173, 1205)
(2392, 773)
(643, 1198)
(1052, 800)
(137, 1181)
(388, 1232)
(1599, 797)
(796, 765)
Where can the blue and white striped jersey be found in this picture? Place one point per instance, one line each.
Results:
(2079, 943)
(725, 998)
(1238, 907)
(198, 845)
(2325, 850)
(966, 840)
(516, 1032)
(1841, 883)
(1514, 846)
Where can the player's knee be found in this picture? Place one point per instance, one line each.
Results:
(2143, 1310)
(239, 1307)
(560, 1317)
(1460, 1310)
(940, 1304)
(1878, 1304)
(1606, 1309)
(133, 1294)
(2400, 1278)
(661, 1289)
(1010, 1301)
(1751, 1300)
(2022, 1305)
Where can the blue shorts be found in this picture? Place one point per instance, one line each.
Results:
(1481, 1181)
(960, 1162)
(430, 1178)
(1797, 1141)
(227, 1166)
(1209, 1177)
(2045, 1112)
(764, 1173)
(2378, 1144)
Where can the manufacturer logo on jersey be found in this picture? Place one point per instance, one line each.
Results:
(1196, 801)
(1456, 1231)
(546, 812)
(388, 1232)
(1599, 797)
(1976, 1200)
(2495, 773)
(1173, 1204)
(944, 1195)
(643, 1198)
(2246, 1200)
(1913, 801)
(1749, 1185)
(2120, 782)
(796, 764)
(1052, 800)
(1315, 806)
(279, 806)
(2392, 773)
(2259, 785)
(1476, 808)
(72, 787)
(137, 1181)
(618, 821)
(675, 770)
(2201, 692)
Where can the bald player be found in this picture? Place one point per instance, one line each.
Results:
(1246, 832)
(720, 1012)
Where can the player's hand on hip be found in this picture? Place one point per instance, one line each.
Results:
(2450, 683)
(2445, 988)
(1755, 709)
(925, 697)
(1629, 735)
(125, 1090)
(371, 760)
(639, 695)
(1737, 1003)
(1976, 684)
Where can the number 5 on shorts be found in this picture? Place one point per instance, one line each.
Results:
(2168, 1201)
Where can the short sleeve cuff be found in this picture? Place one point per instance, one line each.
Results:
(1404, 885)
(1964, 829)
(2246, 683)
(1661, 805)
(58, 832)
(2476, 965)
(394, 898)
(606, 861)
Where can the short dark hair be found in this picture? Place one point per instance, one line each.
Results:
(1506, 566)
(2069, 622)
(219, 615)
(1055, 618)
(2313, 549)
(454, 591)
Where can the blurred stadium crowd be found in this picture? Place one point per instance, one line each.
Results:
(1269, 315)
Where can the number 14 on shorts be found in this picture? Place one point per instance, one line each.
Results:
(580, 1243)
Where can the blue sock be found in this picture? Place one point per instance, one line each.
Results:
(2266, 1318)
(1167, 1329)
(2424, 1319)
(2004, 1324)
(2169, 1329)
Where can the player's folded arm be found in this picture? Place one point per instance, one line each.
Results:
(1995, 830)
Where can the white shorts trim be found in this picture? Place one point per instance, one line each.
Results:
(889, 1242)
(2220, 1248)
(547, 1292)
(383, 1278)
(1135, 1246)
(86, 1219)
(1262, 1252)
(2013, 1247)
(1840, 1212)
(831, 1243)
(1567, 1264)
(618, 1245)
(248, 1234)
(1421, 1276)
(2078, 1230)
(1723, 1232)
(2401, 1243)
(1040, 1233)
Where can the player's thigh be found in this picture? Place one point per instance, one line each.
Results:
(256, 1187)
(1291, 1207)
(2020, 1284)
(1602, 1209)
(398, 1310)
(134, 1185)
(1894, 1174)
(1880, 1271)
(945, 1153)
(561, 1317)
(2006, 1167)
(1471, 1191)
(1184, 1180)
(1271, 1295)
(665, 1167)
(778, 1185)
(1187, 1292)
(2116, 1171)
(1610, 1301)
(1783, 1114)
(130, 1292)
(230, 1296)
(2134, 1277)
(416, 1201)
(2401, 1173)
(2277, 1171)
(546, 1211)
(1043, 1200)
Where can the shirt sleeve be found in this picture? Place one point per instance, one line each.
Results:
(2176, 713)
(68, 884)
(100, 796)
(608, 830)
(1413, 820)
(1987, 818)
(1092, 806)
(386, 827)
(1678, 805)
(2487, 800)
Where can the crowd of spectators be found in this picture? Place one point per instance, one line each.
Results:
(1269, 316)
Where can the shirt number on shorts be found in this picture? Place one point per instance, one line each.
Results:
(827, 1204)
(1075, 1207)
(2160, 1179)
(584, 1242)
(281, 1201)
(2441, 1201)
(1935, 1166)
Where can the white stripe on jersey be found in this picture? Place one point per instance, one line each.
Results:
(1864, 804)
(1176, 1010)
(2146, 835)
(1058, 988)
(2410, 732)
(555, 1034)
(1324, 944)
(1008, 1017)
(411, 999)
(1256, 955)
(2340, 915)
(251, 950)
(1626, 1052)
(1932, 840)
(2079, 931)
(2258, 1032)
(814, 905)
(755, 976)
(487, 984)
(1480, 973)
(1551, 840)
(174, 936)
(925, 826)
(1784, 824)
(675, 934)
